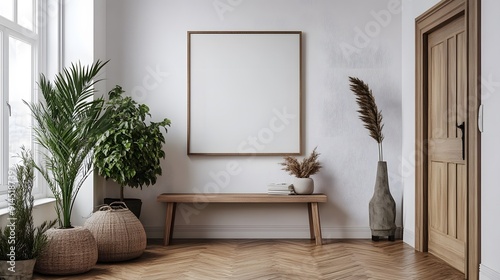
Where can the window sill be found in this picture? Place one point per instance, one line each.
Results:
(37, 202)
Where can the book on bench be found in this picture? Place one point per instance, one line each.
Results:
(280, 188)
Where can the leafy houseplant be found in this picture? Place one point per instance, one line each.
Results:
(20, 240)
(302, 170)
(129, 152)
(68, 123)
(382, 207)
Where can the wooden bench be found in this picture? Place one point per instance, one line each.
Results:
(312, 206)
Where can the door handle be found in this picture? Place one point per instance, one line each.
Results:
(10, 109)
(462, 128)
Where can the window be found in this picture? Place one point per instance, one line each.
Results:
(21, 54)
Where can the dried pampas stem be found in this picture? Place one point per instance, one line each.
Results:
(368, 112)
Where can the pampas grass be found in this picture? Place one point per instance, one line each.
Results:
(309, 165)
(368, 112)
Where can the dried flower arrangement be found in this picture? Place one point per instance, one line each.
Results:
(309, 165)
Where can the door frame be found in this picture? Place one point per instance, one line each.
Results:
(442, 13)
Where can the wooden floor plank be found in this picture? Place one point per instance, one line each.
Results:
(274, 259)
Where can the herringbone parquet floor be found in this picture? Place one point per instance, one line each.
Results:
(275, 259)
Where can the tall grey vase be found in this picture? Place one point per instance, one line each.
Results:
(382, 206)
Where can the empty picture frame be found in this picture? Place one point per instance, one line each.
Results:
(244, 93)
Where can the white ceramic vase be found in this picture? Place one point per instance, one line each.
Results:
(303, 185)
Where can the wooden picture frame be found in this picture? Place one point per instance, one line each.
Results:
(244, 93)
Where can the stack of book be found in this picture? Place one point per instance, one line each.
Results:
(280, 188)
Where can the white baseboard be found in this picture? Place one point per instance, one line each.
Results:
(154, 232)
(409, 237)
(262, 232)
(486, 273)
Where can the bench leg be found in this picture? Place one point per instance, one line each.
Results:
(169, 223)
(311, 224)
(314, 222)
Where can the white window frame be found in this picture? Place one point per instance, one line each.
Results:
(46, 19)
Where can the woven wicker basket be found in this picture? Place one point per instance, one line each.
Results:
(70, 251)
(119, 234)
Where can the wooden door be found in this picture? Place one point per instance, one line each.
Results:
(447, 128)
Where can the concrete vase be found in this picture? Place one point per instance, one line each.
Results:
(382, 206)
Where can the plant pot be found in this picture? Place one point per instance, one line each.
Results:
(69, 251)
(303, 185)
(17, 270)
(133, 204)
(119, 234)
(382, 208)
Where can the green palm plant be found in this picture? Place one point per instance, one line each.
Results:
(68, 123)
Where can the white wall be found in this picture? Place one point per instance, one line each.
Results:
(77, 41)
(490, 175)
(146, 42)
(99, 29)
(411, 10)
(84, 41)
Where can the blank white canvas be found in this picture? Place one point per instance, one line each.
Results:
(244, 93)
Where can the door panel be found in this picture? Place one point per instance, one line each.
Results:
(461, 200)
(452, 200)
(447, 181)
(438, 196)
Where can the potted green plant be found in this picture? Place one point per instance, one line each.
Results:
(302, 170)
(129, 152)
(20, 241)
(67, 123)
(382, 207)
